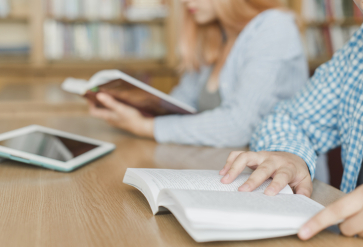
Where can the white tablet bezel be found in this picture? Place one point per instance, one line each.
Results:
(104, 147)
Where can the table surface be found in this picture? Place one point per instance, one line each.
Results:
(92, 207)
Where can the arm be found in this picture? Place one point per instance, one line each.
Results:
(188, 89)
(130, 119)
(306, 125)
(299, 129)
(269, 71)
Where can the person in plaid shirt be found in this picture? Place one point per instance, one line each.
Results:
(327, 113)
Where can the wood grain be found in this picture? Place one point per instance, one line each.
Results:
(92, 207)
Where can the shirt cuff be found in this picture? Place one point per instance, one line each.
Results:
(165, 128)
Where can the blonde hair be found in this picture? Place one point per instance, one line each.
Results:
(201, 44)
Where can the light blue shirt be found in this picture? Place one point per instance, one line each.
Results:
(327, 113)
(266, 64)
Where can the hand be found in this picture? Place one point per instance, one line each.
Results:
(349, 208)
(123, 116)
(285, 168)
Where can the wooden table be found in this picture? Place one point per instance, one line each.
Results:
(91, 206)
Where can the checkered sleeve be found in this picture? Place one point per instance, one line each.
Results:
(307, 124)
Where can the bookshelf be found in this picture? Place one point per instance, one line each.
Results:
(32, 16)
(325, 25)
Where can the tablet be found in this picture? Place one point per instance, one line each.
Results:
(50, 148)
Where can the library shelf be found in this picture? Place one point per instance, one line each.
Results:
(110, 21)
(343, 22)
(37, 62)
(14, 19)
(82, 69)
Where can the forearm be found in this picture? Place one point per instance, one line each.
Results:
(144, 128)
(232, 124)
(218, 128)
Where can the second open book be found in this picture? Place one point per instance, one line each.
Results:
(211, 211)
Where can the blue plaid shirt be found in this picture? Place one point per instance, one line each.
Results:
(327, 113)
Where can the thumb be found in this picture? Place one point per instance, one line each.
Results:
(305, 187)
(109, 102)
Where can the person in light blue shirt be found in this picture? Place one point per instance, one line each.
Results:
(244, 68)
(327, 113)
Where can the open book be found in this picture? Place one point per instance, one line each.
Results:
(128, 90)
(211, 211)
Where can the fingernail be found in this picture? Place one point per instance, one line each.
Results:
(244, 188)
(305, 232)
(270, 191)
(225, 177)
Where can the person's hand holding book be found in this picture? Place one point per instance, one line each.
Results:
(286, 168)
(349, 209)
(122, 116)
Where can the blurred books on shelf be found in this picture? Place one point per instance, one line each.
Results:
(329, 24)
(62, 38)
(133, 10)
(4, 8)
(85, 9)
(325, 41)
(144, 10)
(102, 41)
(330, 10)
(16, 41)
(14, 8)
(96, 30)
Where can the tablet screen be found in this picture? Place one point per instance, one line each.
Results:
(48, 145)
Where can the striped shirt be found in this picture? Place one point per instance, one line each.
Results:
(328, 112)
(266, 65)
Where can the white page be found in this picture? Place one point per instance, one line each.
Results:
(197, 180)
(204, 235)
(244, 210)
(145, 185)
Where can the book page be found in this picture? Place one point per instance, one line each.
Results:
(77, 86)
(243, 210)
(198, 180)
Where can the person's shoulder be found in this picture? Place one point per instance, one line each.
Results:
(276, 14)
(273, 24)
(273, 33)
(273, 18)
(357, 38)
(353, 49)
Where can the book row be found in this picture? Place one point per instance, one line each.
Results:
(326, 10)
(103, 41)
(17, 39)
(106, 9)
(325, 41)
